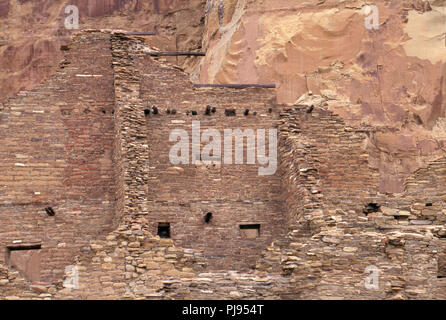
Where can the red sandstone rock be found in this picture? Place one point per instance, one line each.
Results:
(377, 78)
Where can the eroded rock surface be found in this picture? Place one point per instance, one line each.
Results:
(392, 79)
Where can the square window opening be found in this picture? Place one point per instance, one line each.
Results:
(164, 230)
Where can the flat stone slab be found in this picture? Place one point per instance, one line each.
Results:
(420, 222)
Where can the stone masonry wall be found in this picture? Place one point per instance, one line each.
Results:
(56, 151)
(235, 194)
(332, 240)
(130, 262)
(318, 197)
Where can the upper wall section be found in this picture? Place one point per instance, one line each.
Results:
(32, 32)
(56, 151)
(324, 162)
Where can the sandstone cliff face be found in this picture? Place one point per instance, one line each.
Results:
(392, 79)
(32, 32)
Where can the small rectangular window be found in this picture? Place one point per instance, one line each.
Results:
(250, 231)
(164, 230)
(25, 257)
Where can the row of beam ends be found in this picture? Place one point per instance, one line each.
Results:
(235, 86)
(208, 111)
(136, 33)
(175, 53)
